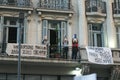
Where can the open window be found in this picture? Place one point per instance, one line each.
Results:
(10, 30)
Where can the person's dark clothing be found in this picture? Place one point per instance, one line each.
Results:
(65, 49)
(65, 52)
(74, 50)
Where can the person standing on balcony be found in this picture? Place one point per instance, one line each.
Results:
(65, 47)
(74, 48)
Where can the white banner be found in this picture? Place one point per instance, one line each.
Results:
(86, 77)
(99, 55)
(27, 50)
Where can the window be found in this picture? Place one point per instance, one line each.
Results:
(32, 77)
(102, 78)
(95, 5)
(13, 77)
(49, 77)
(116, 6)
(55, 32)
(11, 2)
(117, 3)
(95, 35)
(10, 30)
(52, 25)
(66, 78)
(2, 76)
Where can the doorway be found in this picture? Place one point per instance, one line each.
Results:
(55, 31)
(53, 41)
(53, 37)
(12, 35)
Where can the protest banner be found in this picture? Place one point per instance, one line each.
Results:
(27, 50)
(99, 55)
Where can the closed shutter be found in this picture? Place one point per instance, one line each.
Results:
(63, 30)
(102, 36)
(90, 37)
(0, 31)
(44, 28)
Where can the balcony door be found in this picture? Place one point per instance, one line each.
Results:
(55, 31)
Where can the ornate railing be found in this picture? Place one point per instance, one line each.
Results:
(95, 6)
(116, 8)
(16, 3)
(55, 4)
(53, 52)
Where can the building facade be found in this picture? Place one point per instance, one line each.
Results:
(92, 22)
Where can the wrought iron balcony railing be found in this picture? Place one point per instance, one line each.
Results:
(16, 3)
(116, 7)
(55, 4)
(53, 52)
(95, 6)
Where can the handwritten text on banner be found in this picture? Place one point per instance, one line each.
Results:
(27, 50)
(99, 55)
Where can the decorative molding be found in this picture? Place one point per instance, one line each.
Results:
(95, 20)
(39, 13)
(39, 20)
(28, 18)
(70, 22)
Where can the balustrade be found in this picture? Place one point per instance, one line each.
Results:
(57, 52)
(16, 3)
(55, 4)
(95, 6)
(116, 8)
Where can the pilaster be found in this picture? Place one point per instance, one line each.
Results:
(111, 34)
(83, 37)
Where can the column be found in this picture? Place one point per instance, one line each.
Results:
(69, 37)
(111, 34)
(25, 29)
(83, 35)
(0, 30)
(28, 30)
(39, 31)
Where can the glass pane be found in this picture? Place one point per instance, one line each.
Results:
(49, 77)
(95, 35)
(13, 77)
(11, 2)
(118, 36)
(32, 77)
(2, 77)
(99, 40)
(66, 78)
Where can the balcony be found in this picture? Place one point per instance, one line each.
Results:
(95, 8)
(116, 10)
(38, 53)
(61, 6)
(32, 54)
(16, 4)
